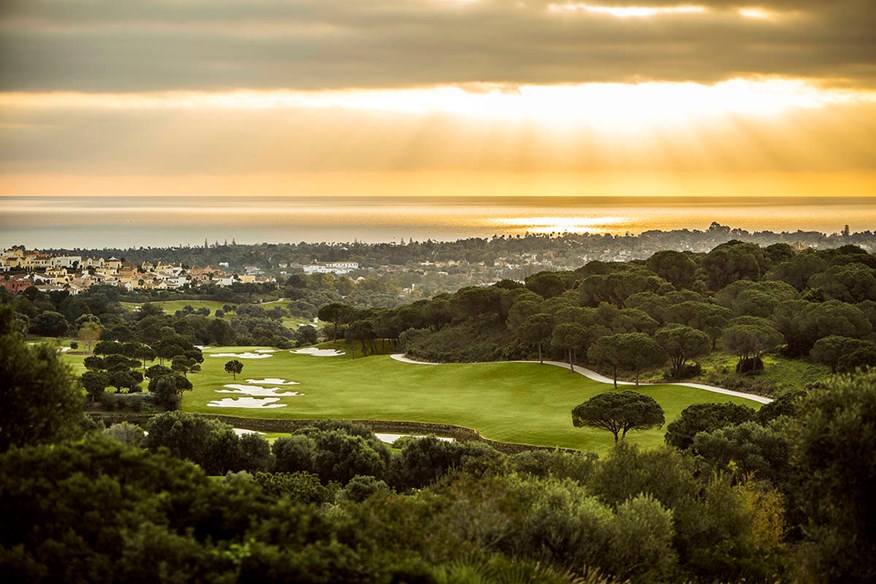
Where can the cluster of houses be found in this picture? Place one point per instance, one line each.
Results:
(74, 274)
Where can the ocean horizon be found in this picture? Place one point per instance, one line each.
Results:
(159, 221)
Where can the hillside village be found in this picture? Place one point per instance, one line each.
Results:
(75, 273)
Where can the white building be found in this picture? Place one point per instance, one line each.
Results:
(331, 268)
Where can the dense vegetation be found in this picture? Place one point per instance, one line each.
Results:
(779, 494)
(746, 500)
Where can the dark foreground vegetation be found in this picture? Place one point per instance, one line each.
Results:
(784, 494)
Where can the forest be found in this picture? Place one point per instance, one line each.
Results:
(781, 494)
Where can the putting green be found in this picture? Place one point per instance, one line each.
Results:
(512, 402)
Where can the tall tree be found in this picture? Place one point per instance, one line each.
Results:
(619, 413)
(631, 351)
(234, 367)
(682, 343)
(537, 330)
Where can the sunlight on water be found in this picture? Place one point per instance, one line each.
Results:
(162, 221)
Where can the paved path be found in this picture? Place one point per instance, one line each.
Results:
(590, 374)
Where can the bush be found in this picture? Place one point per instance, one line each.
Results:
(126, 433)
(362, 487)
(749, 365)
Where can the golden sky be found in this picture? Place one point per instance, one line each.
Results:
(437, 97)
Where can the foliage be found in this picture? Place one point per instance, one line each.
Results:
(234, 367)
(619, 413)
(682, 343)
(832, 445)
(704, 418)
(41, 400)
(632, 351)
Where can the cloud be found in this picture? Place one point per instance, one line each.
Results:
(112, 46)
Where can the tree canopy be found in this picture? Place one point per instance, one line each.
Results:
(619, 413)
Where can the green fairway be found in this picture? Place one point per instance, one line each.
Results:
(511, 402)
(171, 306)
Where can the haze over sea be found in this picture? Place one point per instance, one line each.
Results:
(134, 221)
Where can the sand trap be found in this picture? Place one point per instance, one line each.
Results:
(247, 402)
(272, 381)
(257, 390)
(391, 438)
(317, 352)
(63, 349)
(202, 347)
(401, 358)
(243, 431)
(246, 355)
(266, 350)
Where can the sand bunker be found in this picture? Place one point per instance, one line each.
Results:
(272, 381)
(391, 438)
(246, 355)
(63, 349)
(247, 402)
(266, 350)
(401, 358)
(243, 431)
(317, 352)
(257, 390)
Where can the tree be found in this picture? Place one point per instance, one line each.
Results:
(674, 267)
(682, 343)
(144, 353)
(830, 350)
(798, 270)
(335, 313)
(49, 324)
(617, 287)
(569, 336)
(536, 329)
(832, 446)
(168, 389)
(619, 413)
(861, 358)
(747, 448)
(234, 367)
(735, 260)
(362, 331)
(546, 284)
(41, 400)
(802, 323)
(707, 317)
(306, 335)
(749, 341)
(184, 364)
(631, 351)
(94, 382)
(852, 282)
(89, 333)
(704, 418)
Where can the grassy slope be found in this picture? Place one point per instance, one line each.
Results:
(171, 306)
(512, 402)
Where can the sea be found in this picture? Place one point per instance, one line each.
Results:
(162, 221)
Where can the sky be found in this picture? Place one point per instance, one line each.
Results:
(456, 98)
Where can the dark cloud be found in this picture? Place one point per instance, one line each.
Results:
(112, 45)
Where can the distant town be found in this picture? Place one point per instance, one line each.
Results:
(412, 269)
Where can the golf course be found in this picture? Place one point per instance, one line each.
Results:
(510, 402)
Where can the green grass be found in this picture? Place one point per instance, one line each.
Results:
(171, 306)
(511, 402)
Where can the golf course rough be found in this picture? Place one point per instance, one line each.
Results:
(524, 403)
